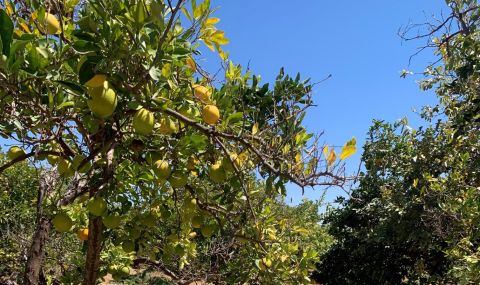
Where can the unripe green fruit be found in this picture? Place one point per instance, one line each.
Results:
(227, 162)
(197, 222)
(52, 159)
(178, 179)
(62, 222)
(103, 101)
(207, 230)
(143, 122)
(77, 160)
(217, 173)
(97, 206)
(65, 167)
(112, 221)
(125, 270)
(15, 152)
(161, 169)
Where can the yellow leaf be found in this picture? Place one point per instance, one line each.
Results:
(223, 55)
(325, 150)
(8, 9)
(211, 21)
(24, 27)
(219, 38)
(191, 64)
(348, 149)
(332, 156)
(166, 70)
(255, 129)
(209, 45)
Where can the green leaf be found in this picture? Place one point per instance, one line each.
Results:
(85, 46)
(140, 13)
(348, 149)
(72, 86)
(6, 32)
(235, 117)
(66, 105)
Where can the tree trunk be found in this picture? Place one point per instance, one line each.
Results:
(92, 262)
(33, 267)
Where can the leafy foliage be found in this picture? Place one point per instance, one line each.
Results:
(414, 216)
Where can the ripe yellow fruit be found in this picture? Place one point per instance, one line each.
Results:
(167, 126)
(143, 122)
(161, 169)
(52, 25)
(103, 101)
(210, 114)
(65, 168)
(96, 81)
(97, 206)
(62, 222)
(83, 234)
(202, 93)
(217, 173)
(15, 152)
(178, 179)
(112, 221)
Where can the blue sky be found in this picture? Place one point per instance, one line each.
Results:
(355, 41)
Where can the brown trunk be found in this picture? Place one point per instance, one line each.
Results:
(33, 268)
(92, 262)
(35, 255)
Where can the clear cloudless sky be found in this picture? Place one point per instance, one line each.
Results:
(356, 42)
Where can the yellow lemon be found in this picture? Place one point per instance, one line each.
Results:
(143, 122)
(50, 25)
(96, 81)
(162, 169)
(103, 101)
(210, 114)
(15, 152)
(202, 93)
(167, 126)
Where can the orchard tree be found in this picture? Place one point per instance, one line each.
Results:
(414, 217)
(109, 93)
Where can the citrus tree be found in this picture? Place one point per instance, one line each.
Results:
(414, 217)
(110, 94)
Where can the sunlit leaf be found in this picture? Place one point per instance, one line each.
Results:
(348, 149)
(332, 156)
